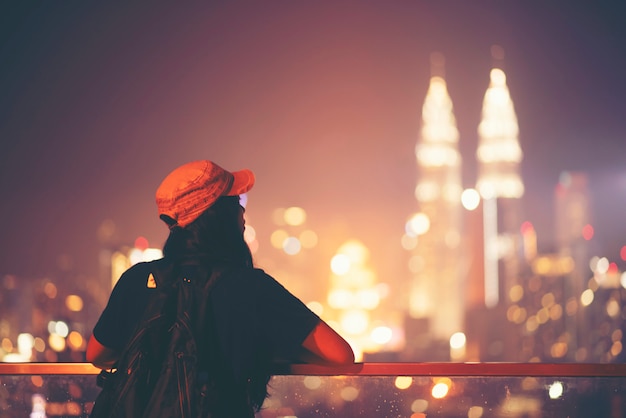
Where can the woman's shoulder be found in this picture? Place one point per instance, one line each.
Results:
(140, 269)
(137, 274)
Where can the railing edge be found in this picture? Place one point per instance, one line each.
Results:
(374, 369)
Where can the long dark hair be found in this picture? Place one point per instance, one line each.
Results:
(215, 238)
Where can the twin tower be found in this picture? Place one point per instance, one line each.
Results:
(458, 255)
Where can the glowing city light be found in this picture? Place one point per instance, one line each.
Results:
(475, 412)
(381, 335)
(349, 393)
(25, 343)
(556, 390)
(527, 228)
(56, 342)
(419, 406)
(6, 345)
(50, 290)
(547, 300)
(312, 382)
(418, 224)
(39, 344)
(75, 340)
(61, 329)
(355, 251)
(291, 246)
(458, 340)
(37, 381)
(74, 303)
(354, 321)
(278, 238)
(294, 216)
(616, 348)
(556, 312)
(403, 382)
(613, 308)
(586, 297)
(516, 293)
(427, 191)
(470, 199)
(340, 264)
(602, 266)
(440, 390)
(141, 243)
(367, 298)
(340, 299)
(39, 405)
(532, 323)
(457, 346)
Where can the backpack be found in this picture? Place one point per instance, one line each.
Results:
(169, 368)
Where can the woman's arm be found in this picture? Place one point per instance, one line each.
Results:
(324, 346)
(99, 355)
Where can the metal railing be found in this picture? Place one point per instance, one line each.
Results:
(375, 369)
(368, 390)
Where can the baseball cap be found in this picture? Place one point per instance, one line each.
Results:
(192, 188)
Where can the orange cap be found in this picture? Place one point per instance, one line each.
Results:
(192, 188)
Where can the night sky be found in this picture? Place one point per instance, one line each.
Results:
(322, 100)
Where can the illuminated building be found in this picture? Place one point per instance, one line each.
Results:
(354, 296)
(436, 292)
(500, 187)
(573, 224)
(569, 306)
(496, 270)
(573, 231)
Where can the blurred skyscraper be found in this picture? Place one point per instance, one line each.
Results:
(436, 293)
(441, 271)
(573, 231)
(573, 225)
(500, 186)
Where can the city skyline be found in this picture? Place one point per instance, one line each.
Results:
(99, 105)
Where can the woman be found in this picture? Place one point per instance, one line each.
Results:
(256, 321)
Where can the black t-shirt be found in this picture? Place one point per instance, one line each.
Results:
(253, 313)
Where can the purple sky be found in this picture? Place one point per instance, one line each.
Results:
(322, 100)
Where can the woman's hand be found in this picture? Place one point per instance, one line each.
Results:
(324, 346)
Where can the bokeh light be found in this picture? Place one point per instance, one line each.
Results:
(294, 216)
(470, 199)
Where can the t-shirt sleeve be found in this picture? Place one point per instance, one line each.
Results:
(256, 314)
(284, 319)
(124, 309)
